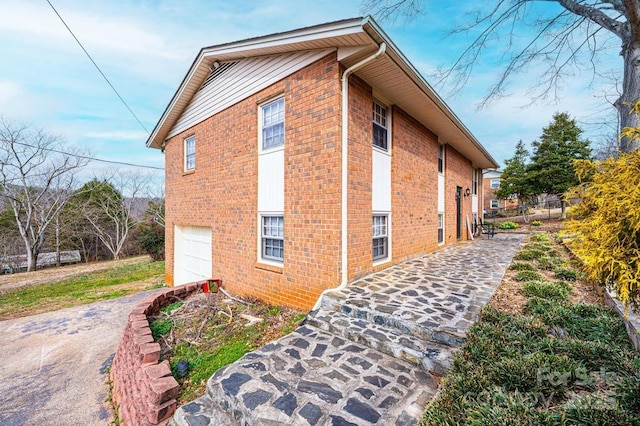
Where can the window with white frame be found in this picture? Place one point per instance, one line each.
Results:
(495, 183)
(440, 228)
(441, 159)
(474, 178)
(273, 238)
(190, 153)
(495, 204)
(380, 126)
(380, 237)
(272, 124)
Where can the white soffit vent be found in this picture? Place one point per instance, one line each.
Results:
(215, 72)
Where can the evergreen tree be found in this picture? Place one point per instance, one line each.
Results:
(515, 182)
(552, 170)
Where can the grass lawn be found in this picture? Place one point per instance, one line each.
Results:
(81, 289)
(210, 331)
(543, 353)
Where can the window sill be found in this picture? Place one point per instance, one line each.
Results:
(278, 269)
(381, 261)
(188, 172)
(382, 150)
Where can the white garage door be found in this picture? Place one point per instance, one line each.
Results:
(192, 254)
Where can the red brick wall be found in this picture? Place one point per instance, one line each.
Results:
(490, 194)
(414, 187)
(360, 169)
(457, 172)
(222, 192)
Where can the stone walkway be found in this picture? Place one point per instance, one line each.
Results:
(370, 354)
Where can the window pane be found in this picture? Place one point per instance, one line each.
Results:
(379, 114)
(273, 124)
(190, 153)
(379, 136)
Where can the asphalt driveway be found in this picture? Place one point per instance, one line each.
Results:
(52, 365)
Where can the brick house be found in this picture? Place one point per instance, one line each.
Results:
(491, 203)
(297, 162)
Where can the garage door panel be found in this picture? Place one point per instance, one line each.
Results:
(192, 255)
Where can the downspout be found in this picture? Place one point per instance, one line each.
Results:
(344, 270)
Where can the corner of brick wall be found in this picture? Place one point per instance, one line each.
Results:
(143, 388)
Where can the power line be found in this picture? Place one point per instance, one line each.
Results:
(85, 157)
(98, 68)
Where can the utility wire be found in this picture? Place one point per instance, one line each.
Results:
(85, 157)
(98, 68)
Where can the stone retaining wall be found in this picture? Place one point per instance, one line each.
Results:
(144, 389)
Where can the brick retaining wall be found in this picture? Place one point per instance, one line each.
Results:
(144, 389)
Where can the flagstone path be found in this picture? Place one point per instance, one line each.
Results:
(371, 354)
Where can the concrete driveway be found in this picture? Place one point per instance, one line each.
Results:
(52, 365)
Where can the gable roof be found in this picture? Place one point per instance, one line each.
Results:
(392, 76)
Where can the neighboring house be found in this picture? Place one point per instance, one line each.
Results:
(299, 161)
(491, 203)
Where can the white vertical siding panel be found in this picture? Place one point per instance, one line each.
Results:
(474, 204)
(381, 182)
(247, 77)
(440, 193)
(271, 182)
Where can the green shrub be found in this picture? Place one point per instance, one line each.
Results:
(529, 254)
(540, 238)
(522, 266)
(567, 274)
(558, 290)
(607, 223)
(548, 263)
(171, 307)
(529, 276)
(160, 328)
(536, 223)
(150, 237)
(508, 225)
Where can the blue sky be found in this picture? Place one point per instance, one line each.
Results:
(146, 47)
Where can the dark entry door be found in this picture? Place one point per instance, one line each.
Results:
(458, 212)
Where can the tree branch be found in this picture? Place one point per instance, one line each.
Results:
(597, 16)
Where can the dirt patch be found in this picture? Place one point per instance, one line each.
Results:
(509, 297)
(210, 331)
(52, 275)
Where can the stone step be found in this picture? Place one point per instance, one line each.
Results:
(405, 322)
(312, 377)
(203, 411)
(430, 356)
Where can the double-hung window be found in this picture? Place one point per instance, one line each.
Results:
(380, 126)
(440, 228)
(273, 238)
(495, 204)
(190, 153)
(495, 183)
(380, 237)
(440, 159)
(273, 124)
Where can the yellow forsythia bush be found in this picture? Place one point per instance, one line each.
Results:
(606, 223)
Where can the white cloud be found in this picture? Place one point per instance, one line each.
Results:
(119, 34)
(120, 135)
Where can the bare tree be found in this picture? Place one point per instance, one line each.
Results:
(565, 38)
(110, 204)
(37, 177)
